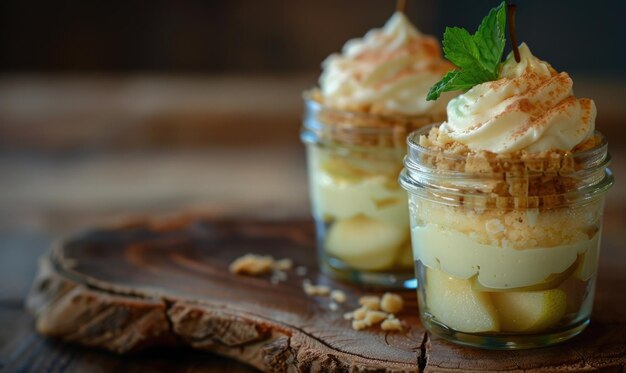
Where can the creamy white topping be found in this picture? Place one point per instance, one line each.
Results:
(390, 70)
(531, 107)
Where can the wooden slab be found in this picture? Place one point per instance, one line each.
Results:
(149, 284)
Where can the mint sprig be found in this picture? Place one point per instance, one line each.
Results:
(477, 56)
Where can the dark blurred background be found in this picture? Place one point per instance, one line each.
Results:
(277, 36)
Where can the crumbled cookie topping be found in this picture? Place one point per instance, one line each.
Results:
(252, 264)
(375, 310)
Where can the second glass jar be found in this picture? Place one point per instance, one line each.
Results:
(360, 211)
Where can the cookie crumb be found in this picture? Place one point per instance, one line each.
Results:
(358, 324)
(391, 303)
(375, 310)
(359, 313)
(374, 317)
(391, 325)
(338, 296)
(315, 290)
(252, 264)
(370, 301)
(256, 265)
(283, 264)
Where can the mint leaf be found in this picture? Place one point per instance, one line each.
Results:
(459, 47)
(455, 81)
(477, 56)
(490, 36)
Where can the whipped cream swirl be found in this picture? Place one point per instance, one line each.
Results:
(531, 107)
(390, 70)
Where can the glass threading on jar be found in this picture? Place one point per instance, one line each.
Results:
(527, 181)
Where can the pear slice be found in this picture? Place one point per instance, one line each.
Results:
(353, 170)
(365, 243)
(550, 282)
(342, 171)
(455, 303)
(530, 311)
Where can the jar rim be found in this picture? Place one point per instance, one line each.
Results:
(521, 182)
(368, 123)
(453, 197)
(340, 128)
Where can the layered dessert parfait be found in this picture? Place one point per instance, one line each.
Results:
(506, 202)
(370, 96)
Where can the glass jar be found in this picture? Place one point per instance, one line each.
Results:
(506, 248)
(360, 211)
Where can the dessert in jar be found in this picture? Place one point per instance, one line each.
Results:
(506, 199)
(370, 97)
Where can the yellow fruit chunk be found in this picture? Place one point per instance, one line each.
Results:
(530, 311)
(364, 243)
(343, 171)
(455, 303)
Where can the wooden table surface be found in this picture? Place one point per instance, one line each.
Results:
(80, 151)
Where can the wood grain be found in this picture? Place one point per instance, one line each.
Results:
(21, 350)
(166, 284)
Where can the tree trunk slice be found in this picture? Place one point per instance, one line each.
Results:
(147, 284)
